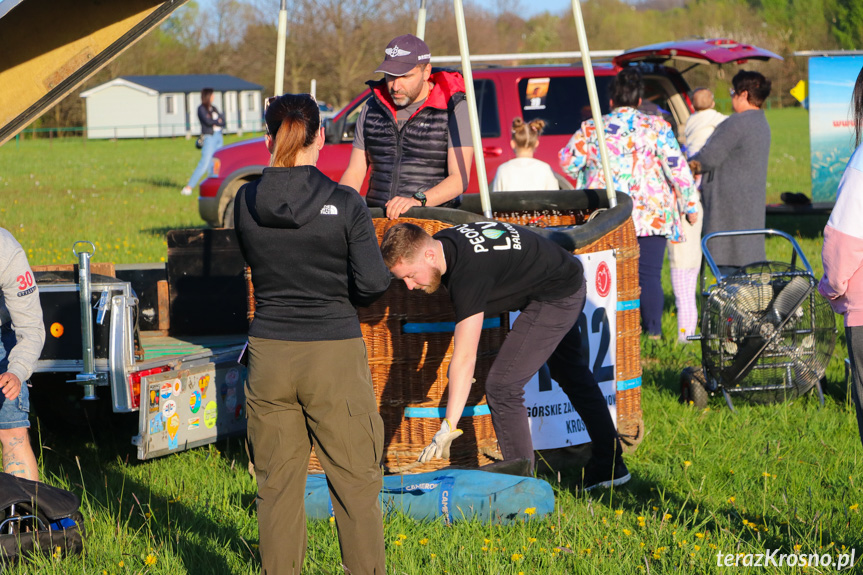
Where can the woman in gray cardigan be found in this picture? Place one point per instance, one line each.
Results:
(733, 164)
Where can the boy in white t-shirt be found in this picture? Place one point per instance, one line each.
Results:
(525, 173)
(685, 257)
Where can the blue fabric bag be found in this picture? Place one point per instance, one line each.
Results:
(455, 494)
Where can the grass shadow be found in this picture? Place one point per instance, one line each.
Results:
(158, 182)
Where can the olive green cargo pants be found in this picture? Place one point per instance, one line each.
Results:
(300, 394)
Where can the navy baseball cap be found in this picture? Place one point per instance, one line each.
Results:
(403, 54)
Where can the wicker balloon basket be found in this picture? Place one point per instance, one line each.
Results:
(409, 340)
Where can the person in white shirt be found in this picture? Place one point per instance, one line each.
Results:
(525, 173)
(685, 257)
(701, 124)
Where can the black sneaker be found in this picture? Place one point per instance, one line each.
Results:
(597, 475)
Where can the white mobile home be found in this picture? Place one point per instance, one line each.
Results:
(166, 106)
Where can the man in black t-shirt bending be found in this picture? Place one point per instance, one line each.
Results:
(491, 268)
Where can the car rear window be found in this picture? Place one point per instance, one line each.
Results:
(561, 101)
(486, 103)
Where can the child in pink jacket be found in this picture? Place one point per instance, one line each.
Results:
(842, 255)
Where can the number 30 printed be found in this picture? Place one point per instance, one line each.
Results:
(25, 281)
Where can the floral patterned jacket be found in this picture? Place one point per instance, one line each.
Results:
(644, 157)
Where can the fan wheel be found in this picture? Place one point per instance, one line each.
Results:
(693, 387)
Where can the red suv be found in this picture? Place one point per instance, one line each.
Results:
(555, 93)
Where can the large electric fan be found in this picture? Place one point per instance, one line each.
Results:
(766, 333)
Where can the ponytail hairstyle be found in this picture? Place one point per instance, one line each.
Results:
(857, 102)
(526, 135)
(627, 88)
(292, 121)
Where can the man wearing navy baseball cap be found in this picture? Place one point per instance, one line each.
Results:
(414, 133)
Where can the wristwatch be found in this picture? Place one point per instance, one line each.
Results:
(421, 197)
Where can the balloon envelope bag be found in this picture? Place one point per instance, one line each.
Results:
(37, 517)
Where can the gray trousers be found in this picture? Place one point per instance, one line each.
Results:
(317, 393)
(854, 339)
(547, 331)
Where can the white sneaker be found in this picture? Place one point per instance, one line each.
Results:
(186, 191)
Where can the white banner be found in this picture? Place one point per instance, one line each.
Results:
(553, 421)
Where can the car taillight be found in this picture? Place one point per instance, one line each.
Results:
(135, 382)
(217, 165)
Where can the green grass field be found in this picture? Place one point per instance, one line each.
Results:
(705, 481)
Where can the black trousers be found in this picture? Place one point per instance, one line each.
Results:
(547, 332)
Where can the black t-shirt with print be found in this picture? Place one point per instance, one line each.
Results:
(494, 267)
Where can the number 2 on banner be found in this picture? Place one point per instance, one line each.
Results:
(599, 324)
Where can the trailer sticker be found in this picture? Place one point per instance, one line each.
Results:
(232, 377)
(167, 390)
(203, 384)
(231, 399)
(210, 414)
(156, 424)
(173, 425)
(169, 409)
(178, 387)
(195, 401)
(194, 423)
(154, 398)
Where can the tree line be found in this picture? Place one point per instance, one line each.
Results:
(339, 42)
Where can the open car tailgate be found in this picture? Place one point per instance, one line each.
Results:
(702, 51)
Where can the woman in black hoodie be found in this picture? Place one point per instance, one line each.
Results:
(314, 256)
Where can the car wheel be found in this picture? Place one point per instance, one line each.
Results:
(228, 219)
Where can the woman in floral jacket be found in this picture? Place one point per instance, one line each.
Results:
(647, 164)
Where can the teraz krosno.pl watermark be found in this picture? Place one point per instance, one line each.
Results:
(774, 558)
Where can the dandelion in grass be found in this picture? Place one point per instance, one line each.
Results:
(687, 464)
(402, 536)
(121, 564)
(697, 547)
(700, 535)
(531, 539)
(666, 517)
(530, 511)
(150, 560)
(641, 522)
(424, 541)
(618, 512)
(853, 507)
(627, 532)
(517, 556)
(731, 499)
(332, 519)
(57, 552)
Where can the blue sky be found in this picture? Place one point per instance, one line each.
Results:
(533, 7)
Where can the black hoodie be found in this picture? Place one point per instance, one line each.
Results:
(313, 253)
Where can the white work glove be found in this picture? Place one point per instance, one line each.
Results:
(439, 447)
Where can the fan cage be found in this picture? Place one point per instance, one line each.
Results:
(756, 344)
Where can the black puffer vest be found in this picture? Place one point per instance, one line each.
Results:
(415, 158)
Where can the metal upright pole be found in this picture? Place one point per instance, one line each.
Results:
(479, 159)
(279, 88)
(421, 21)
(594, 101)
